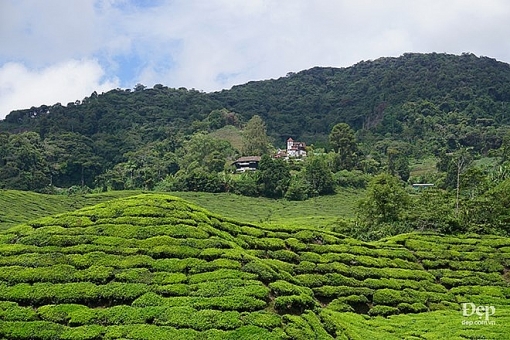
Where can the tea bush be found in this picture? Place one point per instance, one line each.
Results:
(293, 303)
(381, 310)
(281, 287)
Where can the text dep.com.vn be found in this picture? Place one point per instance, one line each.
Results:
(483, 312)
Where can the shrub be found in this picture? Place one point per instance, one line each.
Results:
(170, 265)
(284, 255)
(297, 328)
(173, 251)
(311, 257)
(298, 189)
(26, 330)
(220, 274)
(215, 265)
(11, 311)
(213, 319)
(305, 267)
(96, 274)
(293, 303)
(412, 308)
(336, 291)
(232, 302)
(149, 299)
(382, 310)
(117, 292)
(262, 319)
(295, 244)
(60, 313)
(340, 305)
(172, 290)
(164, 278)
(135, 275)
(316, 324)
(311, 280)
(83, 332)
(351, 179)
(263, 271)
(387, 297)
(335, 279)
(281, 287)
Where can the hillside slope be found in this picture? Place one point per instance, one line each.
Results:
(18, 207)
(418, 104)
(154, 266)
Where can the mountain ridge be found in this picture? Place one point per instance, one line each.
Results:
(418, 104)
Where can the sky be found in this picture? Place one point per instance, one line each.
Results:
(60, 51)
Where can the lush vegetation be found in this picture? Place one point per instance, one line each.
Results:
(321, 212)
(400, 110)
(153, 266)
(337, 245)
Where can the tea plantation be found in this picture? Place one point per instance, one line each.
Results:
(153, 266)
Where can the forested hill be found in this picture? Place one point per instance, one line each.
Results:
(423, 103)
(369, 94)
(374, 92)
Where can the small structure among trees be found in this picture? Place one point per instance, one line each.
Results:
(294, 150)
(247, 163)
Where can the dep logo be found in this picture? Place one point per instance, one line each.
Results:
(483, 312)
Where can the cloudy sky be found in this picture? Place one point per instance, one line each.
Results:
(61, 51)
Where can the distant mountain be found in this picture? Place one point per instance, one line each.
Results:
(303, 105)
(423, 103)
(307, 104)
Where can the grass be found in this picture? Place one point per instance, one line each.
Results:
(231, 134)
(21, 206)
(423, 167)
(154, 266)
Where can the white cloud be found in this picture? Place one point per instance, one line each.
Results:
(214, 44)
(21, 88)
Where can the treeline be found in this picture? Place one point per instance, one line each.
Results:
(402, 108)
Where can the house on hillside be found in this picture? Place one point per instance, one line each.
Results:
(247, 163)
(294, 150)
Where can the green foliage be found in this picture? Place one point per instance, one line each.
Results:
(281, 287)
(383, 310)
(298, 189)
(206, 152)
(344, 144)
(178, 271)
(255, 139)
(262, 319)
(351, 179)
(319, 176)
(293, 303)
(274, 177)
(386, 200)
(123, 139)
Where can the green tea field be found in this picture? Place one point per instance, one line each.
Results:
(154, 266)
(21, 206)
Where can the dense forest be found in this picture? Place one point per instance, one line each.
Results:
(358, 122)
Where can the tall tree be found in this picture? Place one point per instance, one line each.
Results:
(255, 139)
(398, 164)
(386, 200)
(344, 144)
(23, 165)
(273, 177)
(319, 177)
(204, 151)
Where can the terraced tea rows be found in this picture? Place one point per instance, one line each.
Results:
(154, 267)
